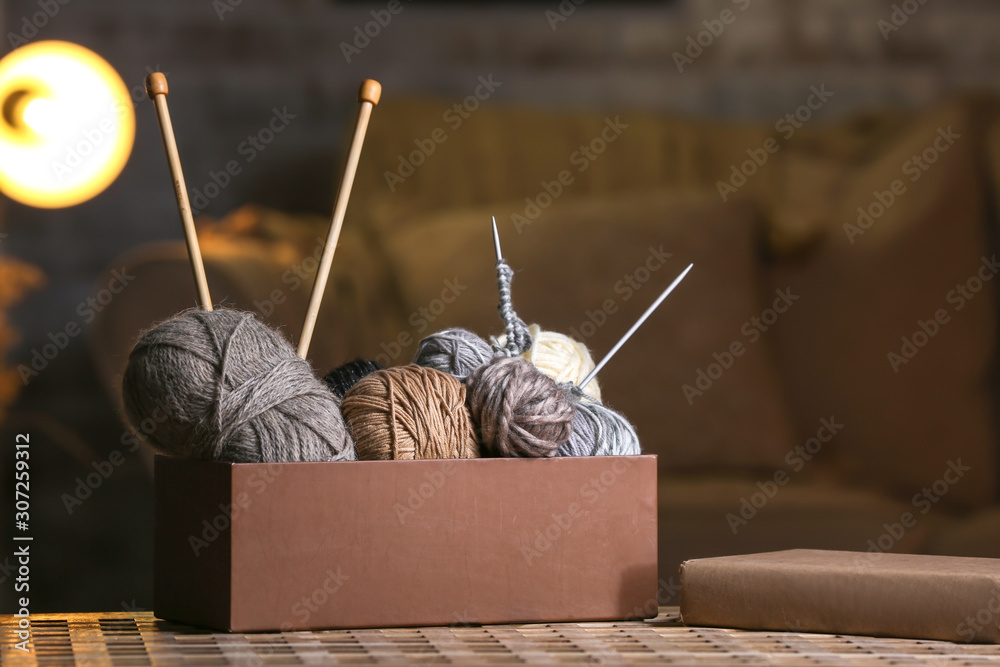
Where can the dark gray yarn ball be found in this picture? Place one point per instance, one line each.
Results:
(454, 351)
(223, 386)
(343, 377)
(599, 431)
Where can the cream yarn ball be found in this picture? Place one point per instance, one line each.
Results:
(562, 359)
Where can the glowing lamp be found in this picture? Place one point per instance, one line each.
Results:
(67, 124)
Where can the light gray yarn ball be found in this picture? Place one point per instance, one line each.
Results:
(223, 386)
(599, 431)
(454, 351)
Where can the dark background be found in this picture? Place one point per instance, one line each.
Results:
(228, 70)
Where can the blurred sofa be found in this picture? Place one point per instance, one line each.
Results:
(824, 378)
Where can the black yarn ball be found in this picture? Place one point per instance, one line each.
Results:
(343, 377)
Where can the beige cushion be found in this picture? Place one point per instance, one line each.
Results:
(499, 154)
(571, 266)
(904, 421)
(259, 260)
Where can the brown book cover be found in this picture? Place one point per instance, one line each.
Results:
(844, 592)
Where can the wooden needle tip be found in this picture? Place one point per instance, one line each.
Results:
(156, 84)
(371, 91)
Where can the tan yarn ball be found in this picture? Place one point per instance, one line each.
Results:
(410, 412)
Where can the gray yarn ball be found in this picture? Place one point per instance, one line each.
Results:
(454, 351)
(223, 386)
(599, 431)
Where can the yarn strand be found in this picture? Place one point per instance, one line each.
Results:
(518, 338)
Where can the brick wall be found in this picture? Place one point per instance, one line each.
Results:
(229, 70)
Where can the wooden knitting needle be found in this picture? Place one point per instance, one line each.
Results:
(369, 95)
(628, 334)
(156, 88)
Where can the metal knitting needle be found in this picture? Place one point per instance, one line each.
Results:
(156, 88)
(496, 239)
(628, 334)
(369, 96)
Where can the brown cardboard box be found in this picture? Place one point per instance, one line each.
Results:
(246, 547)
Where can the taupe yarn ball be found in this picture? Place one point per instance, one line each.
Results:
(410, 412)
(520, 411)
(223, 386)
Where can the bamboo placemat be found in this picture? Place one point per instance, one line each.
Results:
(120, 638)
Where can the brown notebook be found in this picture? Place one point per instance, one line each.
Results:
(844, 592)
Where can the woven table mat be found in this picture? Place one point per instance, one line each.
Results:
(140, 639)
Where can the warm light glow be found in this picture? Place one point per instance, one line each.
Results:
(66, 127)
(41, 115)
